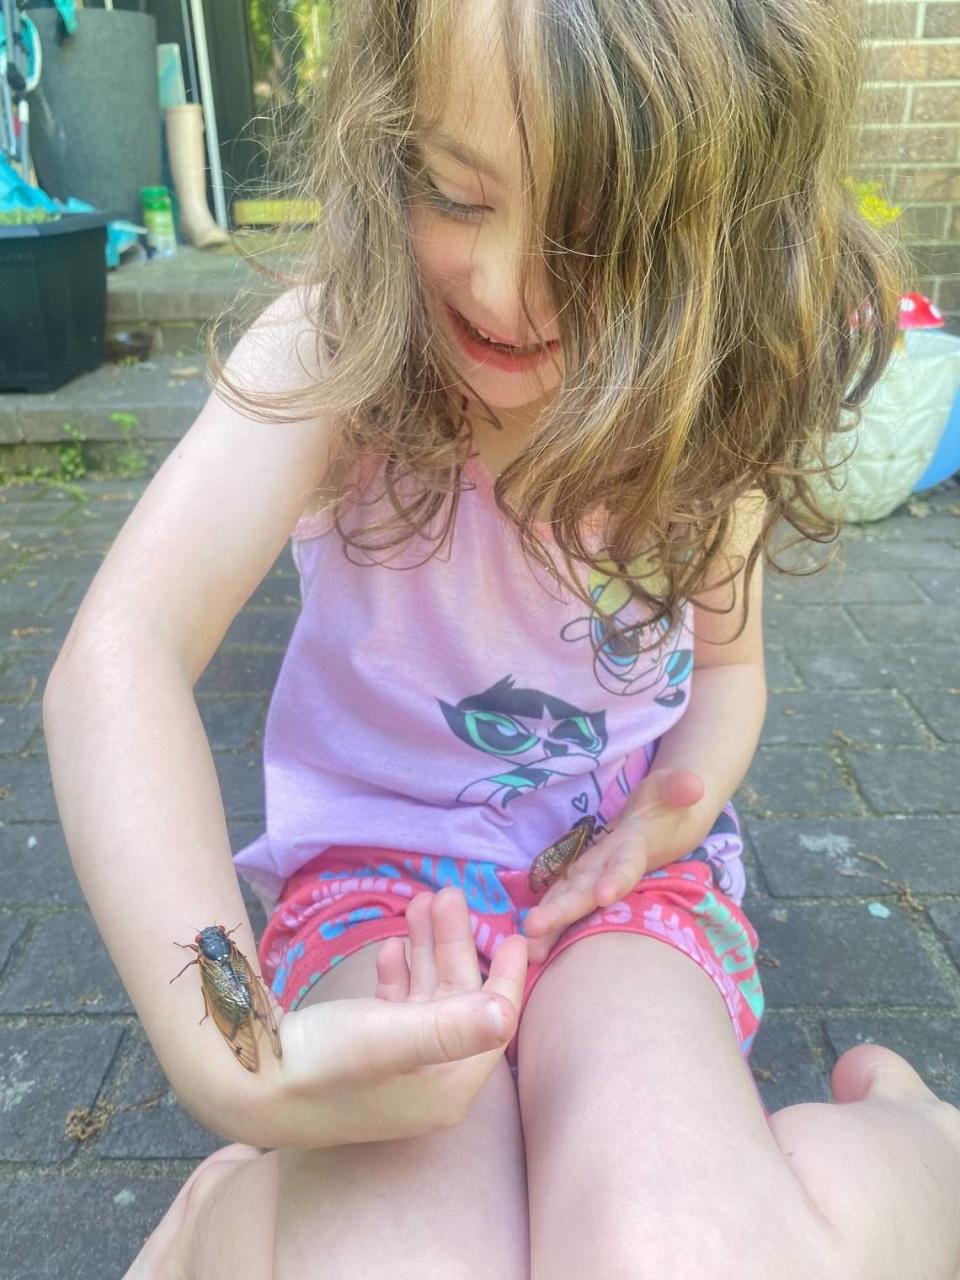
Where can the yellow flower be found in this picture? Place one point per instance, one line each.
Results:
(872, 205)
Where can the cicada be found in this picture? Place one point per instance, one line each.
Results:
(232, 993)
(552, 863)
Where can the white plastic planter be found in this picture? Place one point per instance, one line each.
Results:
(902, 423)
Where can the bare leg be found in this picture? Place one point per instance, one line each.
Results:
(421, 1208)
(430, 1205)
(885, 1169)
(641, 1119)
(182, 1242)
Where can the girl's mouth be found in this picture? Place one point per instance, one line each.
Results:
(498, 354)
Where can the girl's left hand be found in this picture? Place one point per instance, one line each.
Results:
(617, 861)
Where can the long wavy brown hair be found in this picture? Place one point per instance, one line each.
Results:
(723, 306)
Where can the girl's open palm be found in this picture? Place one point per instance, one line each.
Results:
(616, 862)
(411, 1059)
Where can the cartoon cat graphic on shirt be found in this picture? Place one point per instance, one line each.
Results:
(536, 734)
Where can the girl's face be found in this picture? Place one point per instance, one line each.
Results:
(467, 232)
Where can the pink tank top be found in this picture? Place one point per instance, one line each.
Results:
(453, 706)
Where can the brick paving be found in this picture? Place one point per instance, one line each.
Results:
(851, 809)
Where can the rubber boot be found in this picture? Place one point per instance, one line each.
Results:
(184, 128)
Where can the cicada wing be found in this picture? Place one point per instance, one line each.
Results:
(262, 1008)
(540, 877)
(235, 1023)
(551, 863)
(584, 830)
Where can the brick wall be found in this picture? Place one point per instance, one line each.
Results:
(909, 135)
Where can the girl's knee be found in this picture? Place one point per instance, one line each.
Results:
(754, 1242)
(885, 1172)
(444, 1199)
(230, 1221)
(755, 1245)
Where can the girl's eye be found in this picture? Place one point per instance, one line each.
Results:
(465, 212)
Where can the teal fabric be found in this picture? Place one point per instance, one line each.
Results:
(17, 194)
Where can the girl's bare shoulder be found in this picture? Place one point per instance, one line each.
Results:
(279, 355)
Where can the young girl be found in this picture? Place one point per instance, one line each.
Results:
(589, 294)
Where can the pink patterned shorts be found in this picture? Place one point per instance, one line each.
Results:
(351, 896)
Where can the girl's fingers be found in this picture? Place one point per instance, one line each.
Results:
(541, 947)
(564, 902)
(664, 789)
(393, 975)
(508, 972)
(598, 879)
(615, 880)
(375, 1040)
(455, 951)
(423, 969)
(616, 863)
(682, 789)
(551, 918)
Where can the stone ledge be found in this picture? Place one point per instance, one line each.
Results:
(195, 285)
(165, 394)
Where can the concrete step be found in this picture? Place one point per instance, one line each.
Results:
(119, 408)
(177, 298)
(130, 414)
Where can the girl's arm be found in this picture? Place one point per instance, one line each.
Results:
(716, 737)
(138, 797)
(133, 775)
(699, 763)
(139, 802)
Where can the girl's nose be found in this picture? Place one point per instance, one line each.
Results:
(496, 291)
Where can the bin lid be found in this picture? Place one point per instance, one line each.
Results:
(63, 225)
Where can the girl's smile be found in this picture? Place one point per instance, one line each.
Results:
(495, 354)
(468, 230)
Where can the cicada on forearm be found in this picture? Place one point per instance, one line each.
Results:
(554, 861)
(233, 994)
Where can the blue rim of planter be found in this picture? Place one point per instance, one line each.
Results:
(946, 458)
